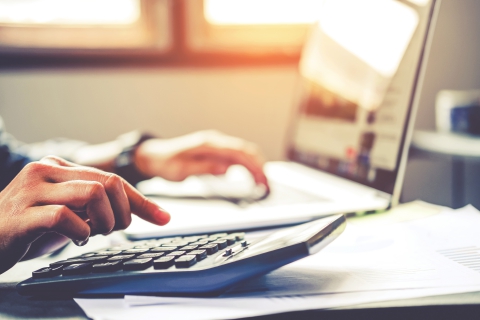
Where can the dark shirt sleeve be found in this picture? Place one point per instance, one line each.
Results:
(10, 164)
(15, 155)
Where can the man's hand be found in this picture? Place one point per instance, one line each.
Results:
(204, 152)
(54, 195)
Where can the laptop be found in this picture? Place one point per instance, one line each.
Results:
(361, 74)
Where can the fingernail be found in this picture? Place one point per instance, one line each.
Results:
(81, 243)
(164, 216)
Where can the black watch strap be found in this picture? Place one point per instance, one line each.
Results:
(124, 163)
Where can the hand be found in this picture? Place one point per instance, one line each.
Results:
(54, 195)
(203, 152)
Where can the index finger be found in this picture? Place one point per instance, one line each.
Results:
(144, 207)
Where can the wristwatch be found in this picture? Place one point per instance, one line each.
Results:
(124, 163)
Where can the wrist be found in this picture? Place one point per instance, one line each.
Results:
(125, 164)
(142, 160)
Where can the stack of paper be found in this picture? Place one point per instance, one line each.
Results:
(373, 260)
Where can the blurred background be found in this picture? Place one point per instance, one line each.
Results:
(93, 69)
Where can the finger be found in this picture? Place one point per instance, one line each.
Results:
(57, 161)
(139, 205)
(233, 156)
(199, 167)
(56, 218)
(144, 207)
(88, 196)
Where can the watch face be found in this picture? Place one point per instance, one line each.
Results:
(123, 159)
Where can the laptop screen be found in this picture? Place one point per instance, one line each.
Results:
(358, 72)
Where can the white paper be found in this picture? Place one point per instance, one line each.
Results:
(370, 262)
(406, 255)
(134, 307)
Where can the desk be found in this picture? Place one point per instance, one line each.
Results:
(459, 306)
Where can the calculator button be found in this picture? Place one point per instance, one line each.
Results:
(95, 258)
(176, 253)
(63, 263)
(86, 255)
(150, 255)
(238, 236)
(171, 246)
(144, 246)
(199, 243)
(178, 243)
(211, 248)
(191, 239)
(137, 264)
(47, 272)
(219, 235)
(222, 243)
(122, 257)
(77, 268)
(185, 261)
(189, 248)
(200, 254)
(107, 266)
(164, 262)
(135, 251)
(108, 253)
(163, 249)
(230, 240)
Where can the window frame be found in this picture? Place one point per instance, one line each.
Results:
(167, 23)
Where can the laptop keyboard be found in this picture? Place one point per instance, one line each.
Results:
(284, 195)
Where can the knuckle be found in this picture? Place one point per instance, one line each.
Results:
(36, 168)
(57, 215)
(113, 181)
(94, 189)
(50, 158)
(125, 223)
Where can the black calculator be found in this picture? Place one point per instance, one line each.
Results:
(190, 266)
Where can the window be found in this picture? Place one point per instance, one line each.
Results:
(250, 26)
(159, 31)
(84, 24)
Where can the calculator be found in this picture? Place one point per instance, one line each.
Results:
(196, 265)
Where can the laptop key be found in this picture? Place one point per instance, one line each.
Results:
(211, 248)
(77, 268)
(137, 264)
(47, 272)
(185, 261)
(107, 266)
(164, 262)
